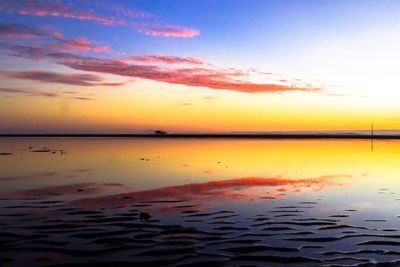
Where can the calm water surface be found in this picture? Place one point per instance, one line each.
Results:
(211, 201)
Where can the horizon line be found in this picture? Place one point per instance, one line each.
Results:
(213, 135)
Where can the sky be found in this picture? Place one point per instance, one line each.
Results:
(130, 66)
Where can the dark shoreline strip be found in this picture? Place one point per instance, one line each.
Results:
(245, 136)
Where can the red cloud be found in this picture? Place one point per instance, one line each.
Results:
(226, 79)
(63, 78)
(57, 9)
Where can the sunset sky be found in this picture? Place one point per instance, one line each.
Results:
(80, 66)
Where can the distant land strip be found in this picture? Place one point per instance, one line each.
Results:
(234, 136)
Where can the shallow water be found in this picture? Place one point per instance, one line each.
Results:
(211, 201)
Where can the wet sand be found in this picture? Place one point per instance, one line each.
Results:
(46, 232)
(77, 215)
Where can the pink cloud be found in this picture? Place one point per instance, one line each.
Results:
(170, 30)
(58, 9)
(165, 59)
(25, 31)
(80, 44)
(213, 78)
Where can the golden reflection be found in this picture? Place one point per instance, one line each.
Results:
(172, 162)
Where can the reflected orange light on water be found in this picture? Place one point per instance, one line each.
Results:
(151, 164)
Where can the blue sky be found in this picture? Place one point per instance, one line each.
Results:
(277, 57)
